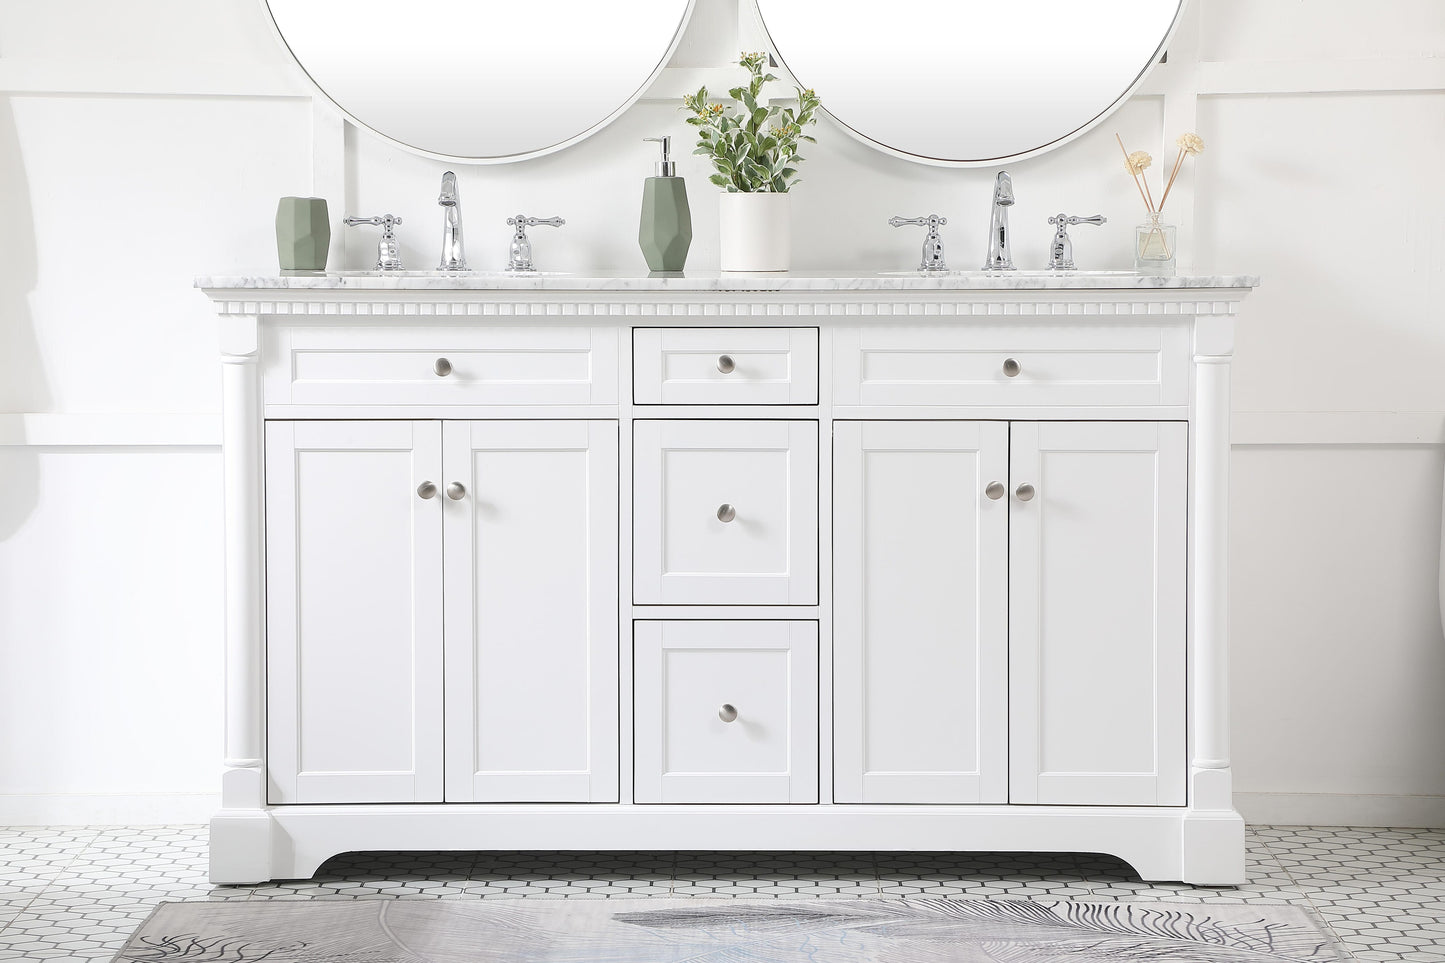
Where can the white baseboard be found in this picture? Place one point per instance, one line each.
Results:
(1332, 809)
(105, 809)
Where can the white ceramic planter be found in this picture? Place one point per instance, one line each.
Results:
(755, 231)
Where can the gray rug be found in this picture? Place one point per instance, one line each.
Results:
(729, 931)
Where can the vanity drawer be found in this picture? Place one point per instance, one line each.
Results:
(443, 366)
(1003, 365)
(725, 366)
(725, 513)
(726, 712)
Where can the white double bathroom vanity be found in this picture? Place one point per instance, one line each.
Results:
(721, 563)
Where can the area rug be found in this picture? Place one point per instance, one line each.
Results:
(731, 931)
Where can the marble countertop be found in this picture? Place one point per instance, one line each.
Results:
(715, 281)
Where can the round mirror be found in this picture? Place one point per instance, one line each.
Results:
(486, 80)
(968, 82)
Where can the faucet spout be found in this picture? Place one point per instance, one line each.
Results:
(454, 257)
(999, 258)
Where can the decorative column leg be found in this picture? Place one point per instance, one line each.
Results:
(241, 831)
(1213, 844)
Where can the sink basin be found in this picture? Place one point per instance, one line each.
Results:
(485, 275)
(1007, 274)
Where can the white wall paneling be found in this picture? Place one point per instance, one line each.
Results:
(139, 172)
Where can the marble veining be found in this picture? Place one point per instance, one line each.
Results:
(716, 281)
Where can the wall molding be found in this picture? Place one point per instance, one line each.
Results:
(111, 430)
(1337, 428)
(1339, 809)
(99, 809)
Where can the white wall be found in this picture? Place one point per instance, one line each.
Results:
(142, 144)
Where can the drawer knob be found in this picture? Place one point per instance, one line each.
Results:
(726, 513)
(727, 713)
(426, 490)
(1011, 368)
(1025, 492)
(725, 364)
(443, 367)
(456, 490)
(995, 490)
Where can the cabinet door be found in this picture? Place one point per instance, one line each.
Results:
(1097, 618)
(531, 611)
(725, 513)
(920, 635)
(353, 612)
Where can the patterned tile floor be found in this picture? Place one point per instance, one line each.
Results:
(76, 893)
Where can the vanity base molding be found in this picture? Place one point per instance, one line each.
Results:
(726, 564)
(1205, 849)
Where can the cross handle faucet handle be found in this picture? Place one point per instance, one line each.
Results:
(932, 259)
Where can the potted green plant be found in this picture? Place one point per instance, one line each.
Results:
(754, 152)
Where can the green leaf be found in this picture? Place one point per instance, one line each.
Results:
(749, 101)
(736, 93)
(811, 140)
(719, 180)
(703, 149)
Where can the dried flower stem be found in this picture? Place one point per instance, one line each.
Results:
(1178, 166)
(1142, 196)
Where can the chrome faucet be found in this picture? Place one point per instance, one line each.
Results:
(388, 249)
(932, 258)
(999, 258)
(1061, 251)
(520, 252)
(454, 256)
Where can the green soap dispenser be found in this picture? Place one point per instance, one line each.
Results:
(665, 232)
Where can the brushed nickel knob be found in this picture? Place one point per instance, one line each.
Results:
(1011, 367)
(456, 490)
(995, 490)
(726, 513)
(426, 490)
(1025, 492)
(727, 713)
(443, 367)
(726, 364)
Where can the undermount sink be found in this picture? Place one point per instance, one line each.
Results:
(449, 274)
(1006, 274)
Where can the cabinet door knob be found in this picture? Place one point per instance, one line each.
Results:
(1011, 367)
(727, 713)
(725, 364)
(426, 490)
(995, 490)
(443, 367)
(726, 513)
(1025, 492)
(456, 490)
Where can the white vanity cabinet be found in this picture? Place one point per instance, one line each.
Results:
(727, 563)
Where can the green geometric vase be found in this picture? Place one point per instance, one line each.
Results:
(303, 235)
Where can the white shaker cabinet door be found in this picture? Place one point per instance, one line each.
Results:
(531, 611)
(725, 513)
(353, 597)
(1097, 620)
(920, 634)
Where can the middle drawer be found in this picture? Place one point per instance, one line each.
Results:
(725, 366)
(725, 513)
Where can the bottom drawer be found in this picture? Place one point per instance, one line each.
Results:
(726, 712)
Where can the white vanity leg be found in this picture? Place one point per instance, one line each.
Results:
(241, 831)
(1213, 837)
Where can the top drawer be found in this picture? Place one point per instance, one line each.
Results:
(1027, 364)
(442, 366)
(725, 366)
